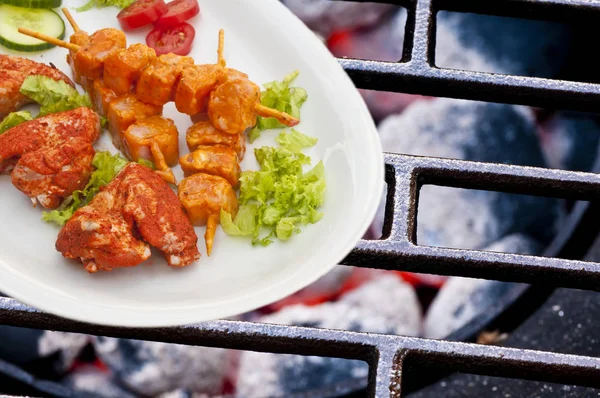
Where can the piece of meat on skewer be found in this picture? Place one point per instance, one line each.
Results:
(123, 68)
(79, 38)
(234, 105)
(101, 96)
(203, 196)
(13, 71)
(204, 133)
(158, 81)
(51, 155)
(125, 110)
(216, 160)
(136, 210)
(156, 139)
(195, 86)
(88, 60)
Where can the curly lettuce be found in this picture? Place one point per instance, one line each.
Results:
(279, 95)
(107, 166)
(53, 95)
(104, 3)
(280, 198)
(13, 119)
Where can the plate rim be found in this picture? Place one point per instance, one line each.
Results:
(25, 290)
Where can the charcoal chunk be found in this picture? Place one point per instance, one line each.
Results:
(477, 131)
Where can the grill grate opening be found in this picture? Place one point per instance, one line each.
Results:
(475, 219)
(516, 51)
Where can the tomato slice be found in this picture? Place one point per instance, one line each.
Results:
(178, 11)
(141, 13)
(177, 40)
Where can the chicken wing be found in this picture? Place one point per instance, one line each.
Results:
(13, 71)
(52, 155)
(136, 210)
(204, 133)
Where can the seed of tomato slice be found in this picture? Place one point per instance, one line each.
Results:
(141, 13)
(178, 11)
(177, 39)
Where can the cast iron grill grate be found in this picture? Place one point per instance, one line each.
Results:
(397, 250)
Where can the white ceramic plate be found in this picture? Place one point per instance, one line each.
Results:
(265, 40)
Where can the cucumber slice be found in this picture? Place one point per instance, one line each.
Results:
(33, 3)
(38, 19)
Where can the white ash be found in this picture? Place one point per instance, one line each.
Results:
(152, 368)
(451, 53)
(471, 42)
(325, 16)
(95, 382)
(384, 305)
(460, 300)
(477, 131)
(69, 345)
(570, 140)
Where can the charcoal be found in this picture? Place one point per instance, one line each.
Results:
(325, 16)
(67, 345)
(151, 368)
(570, 140)
(477, 131)
(95, 382)
(494, 44)
(329, 284)
(383, 305)
(460, 300)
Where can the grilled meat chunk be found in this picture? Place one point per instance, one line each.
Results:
(136, 207)
(52, 155)
(13, 71)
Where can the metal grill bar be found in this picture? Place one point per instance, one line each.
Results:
(399, 251)
(386, 354)
(383, 353)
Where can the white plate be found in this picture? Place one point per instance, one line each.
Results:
(265, 40)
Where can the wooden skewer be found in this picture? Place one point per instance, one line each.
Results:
(283, 117)
(70, 19)
(220, 57)
(49, 39)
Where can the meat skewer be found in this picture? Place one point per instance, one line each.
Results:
(167, 73)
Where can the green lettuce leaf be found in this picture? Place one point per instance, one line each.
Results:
(13, 119)
(53, 95)
(104, 3)
(107, 166)
(295, 141)
(280, 197)
(279, 95)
